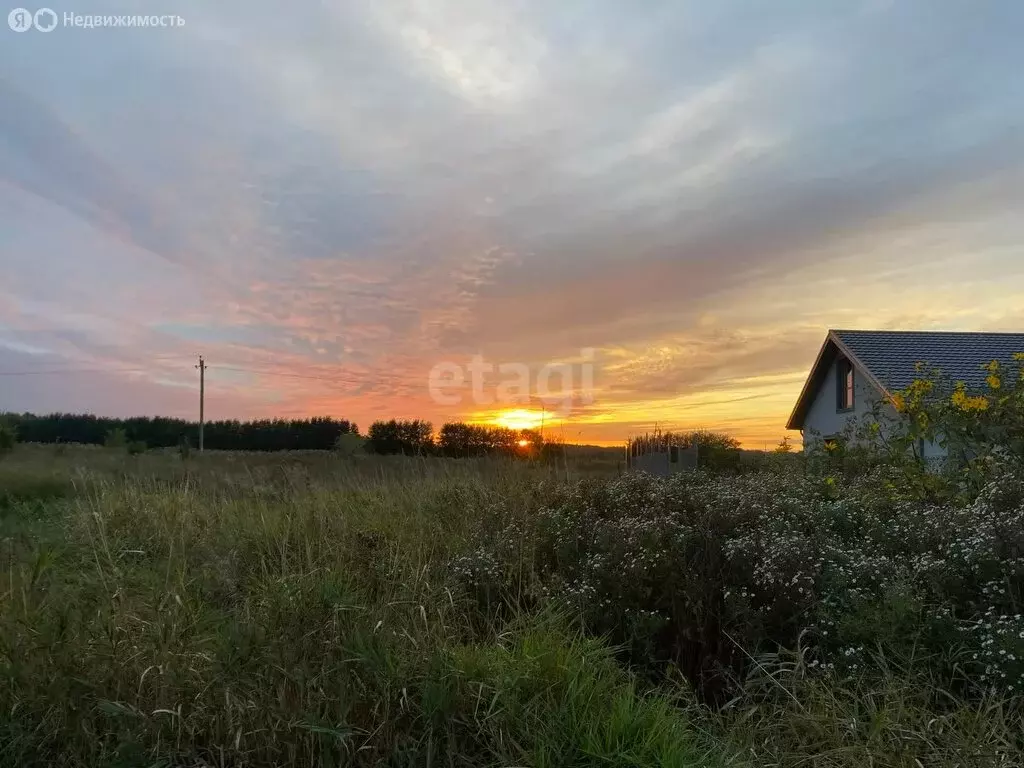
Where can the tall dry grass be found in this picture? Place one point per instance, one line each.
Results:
(281, 618)
(306, 610)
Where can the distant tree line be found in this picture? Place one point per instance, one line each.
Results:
(318, 433)
(404, 437)
(455, 440)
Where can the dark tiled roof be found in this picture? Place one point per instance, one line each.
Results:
(891, 356)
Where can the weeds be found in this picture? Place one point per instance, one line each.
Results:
(248, 611)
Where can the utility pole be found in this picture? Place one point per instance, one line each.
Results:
(202, 398)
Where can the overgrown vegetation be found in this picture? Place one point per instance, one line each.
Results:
(980, 431)
(715, 450)
(702, 574)
(246, 610)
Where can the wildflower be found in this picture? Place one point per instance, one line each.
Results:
(993, 378)
(967, 403)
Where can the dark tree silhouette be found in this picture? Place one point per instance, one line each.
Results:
(410, 438)
(316, 434)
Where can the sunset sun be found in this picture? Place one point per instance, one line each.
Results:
(520, 418)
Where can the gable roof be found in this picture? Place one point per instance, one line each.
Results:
(889, 359)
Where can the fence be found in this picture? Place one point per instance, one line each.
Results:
(660, 455)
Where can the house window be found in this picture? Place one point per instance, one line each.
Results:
(844, 385)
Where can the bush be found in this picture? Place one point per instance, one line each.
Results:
(980, 429)
(8, 438)
(715, 451)
(116, 439)
(135, 447)
(703, 572)
(349, 444)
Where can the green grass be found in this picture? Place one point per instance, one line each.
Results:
(267, 615)
(260, 610)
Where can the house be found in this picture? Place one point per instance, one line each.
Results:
(855, 370)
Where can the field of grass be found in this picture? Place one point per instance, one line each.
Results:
(306, 609)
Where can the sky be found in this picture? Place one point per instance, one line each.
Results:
(329, 200)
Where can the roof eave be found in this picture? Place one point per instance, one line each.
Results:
(796, 418)
(875, 382)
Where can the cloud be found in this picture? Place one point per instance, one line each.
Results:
(335, 197)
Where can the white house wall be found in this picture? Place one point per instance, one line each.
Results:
(823, 417)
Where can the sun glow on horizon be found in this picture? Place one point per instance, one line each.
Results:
(519, 418)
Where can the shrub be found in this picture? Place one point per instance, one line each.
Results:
(8, 438)
(981, 431)
(116, 438)
(349, 444)
(702, 572)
